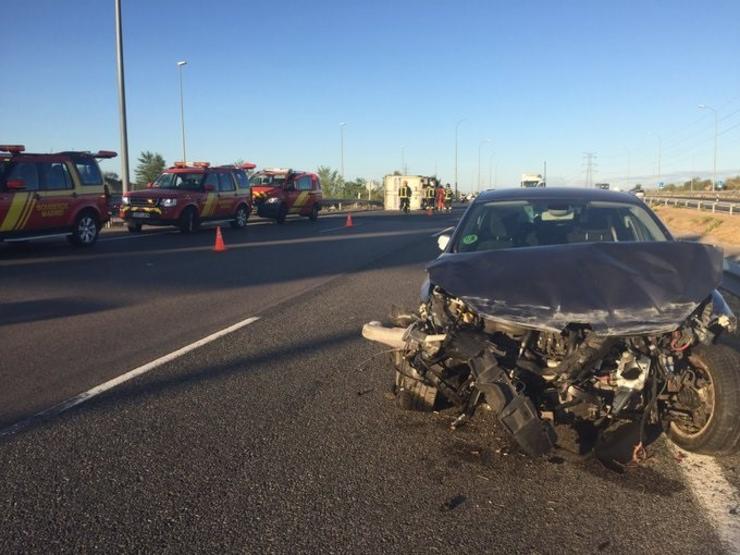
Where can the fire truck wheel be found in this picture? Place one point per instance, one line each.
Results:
(314, 215)
(85, 230)
(188, 220)
(134, 228)
(240, 218)
(282, 214)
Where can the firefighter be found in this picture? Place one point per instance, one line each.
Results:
(448, 198)
(405, 194)
(429, 196)
(440, 195)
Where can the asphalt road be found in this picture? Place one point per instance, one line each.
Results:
(279, 437)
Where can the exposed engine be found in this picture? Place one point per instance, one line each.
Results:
(447, 354)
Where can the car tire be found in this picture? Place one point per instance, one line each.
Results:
(188, 220)
(134, 228)
(721, 433)
(240, 217)
(85, 230)
(282, 214)
(411, 392)
(314, 215)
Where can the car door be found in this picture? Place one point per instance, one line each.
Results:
(227, 195)
(55, 198)
(16, 202)
(302, 205)
(209, 197)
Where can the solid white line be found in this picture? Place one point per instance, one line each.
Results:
(131, 374)
(714, 493)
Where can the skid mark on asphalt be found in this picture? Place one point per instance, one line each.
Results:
(131, 374)
(717, 497)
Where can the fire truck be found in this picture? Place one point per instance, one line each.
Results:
(187, 195)
(280, 192)
(46, 195)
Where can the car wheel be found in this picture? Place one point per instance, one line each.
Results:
(240, 218)
(714, 398)
(314, 215)
(188, 221)
(134, 228)
(282, 214)
(86, 229)
(411, 392)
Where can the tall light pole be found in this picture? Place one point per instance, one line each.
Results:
(629, 163)
(182, 111)
(403, 159)
(341, 147)
(480, 145)
(660, 150)
(121, 99)
(714, 170)
(457, 128)
(490, 170)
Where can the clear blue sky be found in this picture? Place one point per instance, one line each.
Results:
(270, 81)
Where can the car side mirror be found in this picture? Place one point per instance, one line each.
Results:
(208, 188)
(15, 184)
(442, 241)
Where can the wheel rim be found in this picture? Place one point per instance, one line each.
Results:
(706, 399)
(241, 217)
(87, 229)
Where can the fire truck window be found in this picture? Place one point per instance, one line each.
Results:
(28, 173)
(242, 179)
(225, 182)
(212, 179)
(89, 172)
(55, 176)
(304, 183)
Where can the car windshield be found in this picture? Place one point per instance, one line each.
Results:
(268, 179)
(510, 224)
(185, 181)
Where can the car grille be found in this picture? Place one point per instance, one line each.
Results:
(149, 202)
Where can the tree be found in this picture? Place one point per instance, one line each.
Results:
(150, 166)
(331, 182)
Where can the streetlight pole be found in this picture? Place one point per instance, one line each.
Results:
(490, 170)
(457, 128)
(403, 159)
(121, 99)
(341, 147)
(714, 170)
(480, 145)
(182, 111)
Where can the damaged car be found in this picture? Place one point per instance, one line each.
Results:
(575, 308)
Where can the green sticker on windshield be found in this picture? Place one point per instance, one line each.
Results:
(470, 239)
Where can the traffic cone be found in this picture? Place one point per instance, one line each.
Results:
(348, 223)
(429, 211)
(219, 246)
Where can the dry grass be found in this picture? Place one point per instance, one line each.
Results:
(716, 228)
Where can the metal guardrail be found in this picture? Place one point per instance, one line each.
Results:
(712, 205)
(348, 203)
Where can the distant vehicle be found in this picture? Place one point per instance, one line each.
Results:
(187, 195)
(279, 192)
(602, 186)
(638, 192)
(532, 180)
(43, 195)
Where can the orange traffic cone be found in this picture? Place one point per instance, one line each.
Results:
(348, 223)
(219, 246)
(429, 211)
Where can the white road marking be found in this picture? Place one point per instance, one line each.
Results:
(714, 493)
(131, 374)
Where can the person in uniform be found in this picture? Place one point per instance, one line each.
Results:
(448, 198)
(440, 194)
(405, 194)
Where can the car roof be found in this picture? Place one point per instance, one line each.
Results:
(556, 193)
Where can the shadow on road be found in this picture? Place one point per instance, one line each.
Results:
(47, 309)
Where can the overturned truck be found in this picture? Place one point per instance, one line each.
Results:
(590, 333)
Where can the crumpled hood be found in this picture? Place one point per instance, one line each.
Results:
(616, 288)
